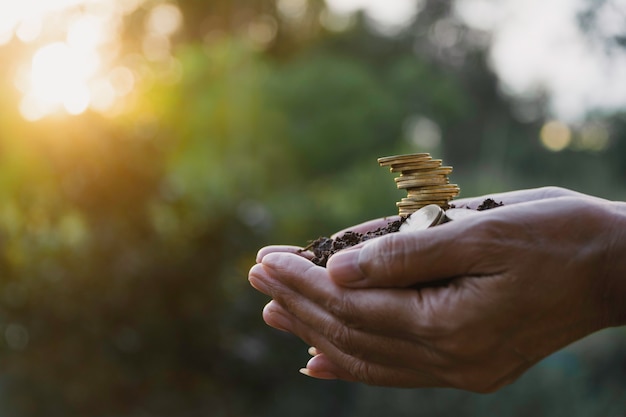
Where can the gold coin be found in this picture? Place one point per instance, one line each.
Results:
(437, 188)
(388, 160)
(420, 199)
(412, 204)
(440, 188)
(437, 196)
(426, 197)
(402, 206)
(432, 200)
(422, 183)
(419, 206)
(439, 170)
(430, 164)
(419, 177)
(407, 204)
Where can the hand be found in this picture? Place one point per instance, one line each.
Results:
(470, 304)
(507, 198)
(523, 196)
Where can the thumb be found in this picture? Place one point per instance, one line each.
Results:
(404, 259)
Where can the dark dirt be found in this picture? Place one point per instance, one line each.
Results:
(489, 204)
(324, 247)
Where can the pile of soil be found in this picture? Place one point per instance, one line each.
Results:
(489, 204)
(324, 247)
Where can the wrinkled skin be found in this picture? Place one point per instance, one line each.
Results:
(469, 304)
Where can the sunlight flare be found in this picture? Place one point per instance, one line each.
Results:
(59, 76)
(70, 63)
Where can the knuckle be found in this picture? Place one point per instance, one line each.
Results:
(433, 321)
(385, 254)
(344, 339)
(344, 309)
(553, 191)
(362, 371)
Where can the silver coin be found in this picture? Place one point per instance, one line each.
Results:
(423, 218)
(459, 213)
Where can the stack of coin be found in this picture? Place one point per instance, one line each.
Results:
(424, 179)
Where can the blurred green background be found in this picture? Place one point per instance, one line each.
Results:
(149, 148)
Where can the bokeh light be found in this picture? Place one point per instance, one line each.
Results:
(388, 16)
(59, 76)
(423, 132)
(555, 135)
(594, 136)
(164, 19)
(86, 33)
(73, 63)
(263, 30)
(292, 9)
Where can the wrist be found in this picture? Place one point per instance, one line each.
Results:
(614, 296)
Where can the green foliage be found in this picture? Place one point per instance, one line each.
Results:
(125, 242)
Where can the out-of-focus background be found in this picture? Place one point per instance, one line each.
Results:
(148, 149)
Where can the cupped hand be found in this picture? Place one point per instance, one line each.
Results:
(470, 304)
(522, 196)
(507, 198)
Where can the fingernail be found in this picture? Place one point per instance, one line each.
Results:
(274, 318)
(313, 351)
(256, 277)
(318, 375)
(258, 285)
(344, 266)
(270, 260)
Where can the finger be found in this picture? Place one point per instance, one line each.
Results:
(347, 367)
(321, 367)
(511, 197)
(304, 288)
(473, 371)
(519, 196)
(283, 249)
(440, 253)
(390, 327)
(481, 245)
(374, 348)
(486, 374)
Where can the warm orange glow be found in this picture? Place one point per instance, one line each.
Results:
(87, 33)
(75, 43)
(59, 76)
(25, 18)
(164, 19)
